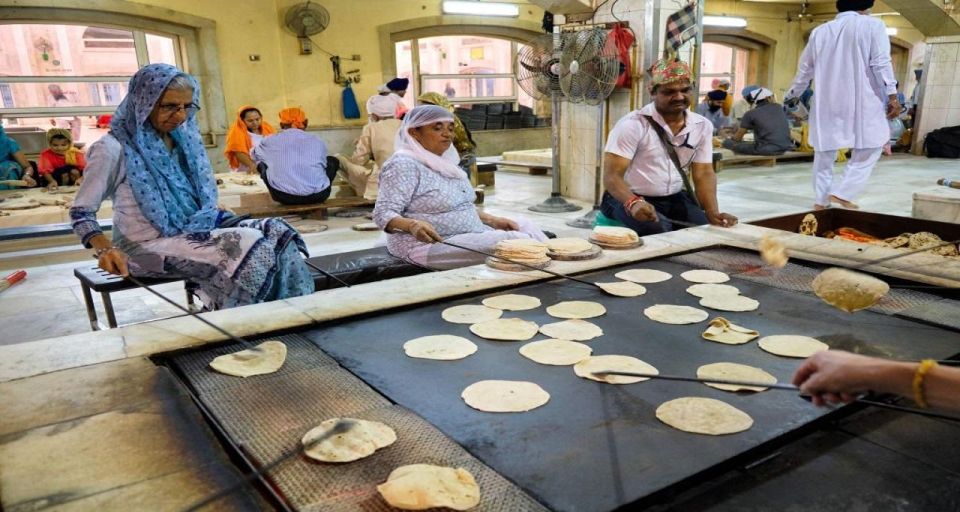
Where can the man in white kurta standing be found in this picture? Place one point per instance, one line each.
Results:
(848, 60)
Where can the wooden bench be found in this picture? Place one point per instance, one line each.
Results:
(95, 279)
(759, 160)
(315, 211)
(532, 168)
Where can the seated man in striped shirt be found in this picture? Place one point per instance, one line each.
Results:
(293, 164)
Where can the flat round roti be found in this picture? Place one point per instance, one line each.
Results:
(505, 329)
(588, 366)
(734, 371)
(470, 314)
(504, 396)
(703, 416)
(643, 275)
(788, 345)
(623, 288)
(848, 290)
(572, 330)
(673, 314)
(556, 352)
(423, 486)
(705, 276)
(361, 440)
(512, 302)
(722, 331)
(568, 245)
(442, 347)
(576, 309)
(708, 289)
(730, 303)
(247, 363)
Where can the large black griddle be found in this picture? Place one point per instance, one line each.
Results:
(597, 446)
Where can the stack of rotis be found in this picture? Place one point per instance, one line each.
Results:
(613, 236)
(522, 250)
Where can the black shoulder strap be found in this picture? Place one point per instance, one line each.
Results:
(672, 152)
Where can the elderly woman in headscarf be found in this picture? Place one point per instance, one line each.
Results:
(425, 198)
(245, 134)
(166, 222)
(771, 129)
(13, 163)
(462, 140)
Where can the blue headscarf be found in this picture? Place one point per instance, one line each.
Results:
(8, 146)
(175, 196)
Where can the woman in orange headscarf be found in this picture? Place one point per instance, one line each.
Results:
(246, 132)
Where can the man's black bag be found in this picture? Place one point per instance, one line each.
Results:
(943, 143)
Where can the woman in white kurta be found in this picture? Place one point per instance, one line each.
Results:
(848, 60)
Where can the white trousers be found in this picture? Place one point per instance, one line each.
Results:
(855, 174)
(445, 257)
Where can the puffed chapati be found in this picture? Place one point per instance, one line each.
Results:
(359, 441)
(441, 347)
(247, 363)
(773, 252)
(504, 396)
(423, 486)
(470, 314)
(576, 309)
(588, 366)
(556, 352)
(512, 302)
(789, 345)
(735, 371)
(848, 290)
(505, 329)
(703, 416)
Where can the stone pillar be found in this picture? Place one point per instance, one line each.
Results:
(939, 96)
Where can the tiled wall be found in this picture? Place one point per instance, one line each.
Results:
(940, 99)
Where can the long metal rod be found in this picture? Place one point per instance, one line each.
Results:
(910, 410)
(326, 273)
(786, 387)
(210, 324)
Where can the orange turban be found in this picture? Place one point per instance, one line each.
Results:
(294, 117)
(670, 70)
(238, 138)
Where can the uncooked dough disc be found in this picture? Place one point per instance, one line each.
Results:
(623, 288)
(576, 309)
(722, 331)
(734, 371)
(789, 345)
(504, 396)
(512, 302)
(572, 330)
(848, 290)
(442, 347)
(359, 441)
(247, 363)
(505, 329)
(470, 314)
(672, 314)
(643, 275)
(730, 303)
(703, 416)
(705, 276)
(556, 352)
(707, 289)
(586, 367)
(423, 486)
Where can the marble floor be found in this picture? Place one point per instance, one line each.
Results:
(49, 303)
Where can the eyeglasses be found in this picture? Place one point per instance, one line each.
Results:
(169, 109)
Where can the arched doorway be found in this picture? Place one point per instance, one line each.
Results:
(750, 54)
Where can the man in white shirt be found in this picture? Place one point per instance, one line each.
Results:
(848, 60)
(645, 190)
(375, 144)
(294, 164)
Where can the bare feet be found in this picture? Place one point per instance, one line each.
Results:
(844, 203)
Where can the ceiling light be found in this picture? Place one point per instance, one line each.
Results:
(724, 21)
(891, 31)
(480, 8)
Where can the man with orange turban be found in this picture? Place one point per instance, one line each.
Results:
(294, 164)
(648, 157)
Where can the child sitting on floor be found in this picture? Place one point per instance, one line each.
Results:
(61, 163)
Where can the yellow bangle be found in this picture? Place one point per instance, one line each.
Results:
(919, 389)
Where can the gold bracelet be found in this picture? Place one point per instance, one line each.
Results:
(919, 388)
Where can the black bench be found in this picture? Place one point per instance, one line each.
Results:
(358, 267)
(43, 230)
(95, 279)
